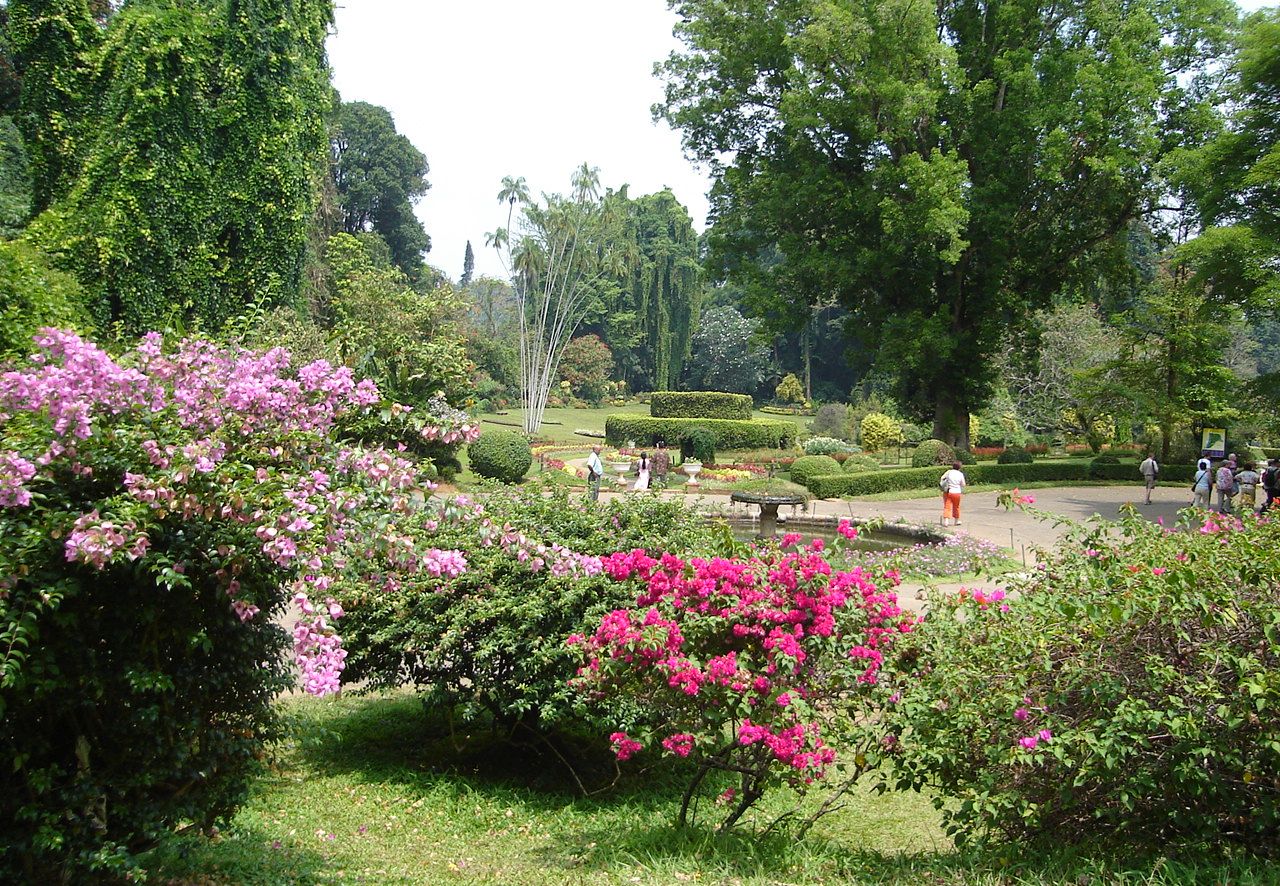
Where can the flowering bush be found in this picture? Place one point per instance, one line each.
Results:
(158, 511)
(1127, 692)
(767, 667)
(488, 642)
(435, 432)
(827, 446)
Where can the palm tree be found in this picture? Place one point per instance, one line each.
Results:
(513, 191)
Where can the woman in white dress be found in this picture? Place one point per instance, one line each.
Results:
(642, 479)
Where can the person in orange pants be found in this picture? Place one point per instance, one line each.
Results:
(952, 484)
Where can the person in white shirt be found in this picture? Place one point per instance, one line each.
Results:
(1149, 469)
(952, 485)
(595, 471)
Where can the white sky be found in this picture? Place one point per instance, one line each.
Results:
(487, 88)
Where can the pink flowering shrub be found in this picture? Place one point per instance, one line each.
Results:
(487, 641)
(770, 667)
(158, 512)
(1128, 692)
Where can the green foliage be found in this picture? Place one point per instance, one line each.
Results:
(1014, 455)
(1007, 162)
(15, 180)
(492, 641)
(586, 364)
(404, 340)
(179, 166)
(806, 467)
(699, 444)
(645, 430)
(378, 174)
(700, 404)
(857, 464)
(1152, 664)
(501, 455)
(878, 431)
(829, 420)
(725, 353)
(33, 295)
(932, 452)
(790, 390)
(965, 457)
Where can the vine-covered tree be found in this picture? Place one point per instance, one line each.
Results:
(942, 168)
(379, 175)
(186, 152)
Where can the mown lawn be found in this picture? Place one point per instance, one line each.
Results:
(372, 791)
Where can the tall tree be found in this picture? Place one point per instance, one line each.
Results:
(727, 354)
(468, 267)
(379, 176)
(941, 167)
(566, 251)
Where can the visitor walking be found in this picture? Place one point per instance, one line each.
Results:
(661, 463)
(1270, 484)
(595, 471)
(952, 484)
(1149, 469)
(1226, 484)
(642, 477)
(1200, 487)
(1248, 479)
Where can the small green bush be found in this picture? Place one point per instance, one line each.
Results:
(1126, 694)
(646, 431)
(829, 420)
(807, 466)
(1014, 455)
(855, 464)
(699, 444)
(932, 452)
(878, 431)
(33, 294)
(965, 457)
(500, 455)
(1106, 460)
(700, 404)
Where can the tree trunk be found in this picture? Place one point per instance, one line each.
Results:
(808, 360)
(950, 422)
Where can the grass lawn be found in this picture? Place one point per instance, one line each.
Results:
(371, 791)
(559, 424)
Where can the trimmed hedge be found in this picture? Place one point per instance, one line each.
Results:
(808, 466)
(902, 480)
(500, 455)
(646, 431)
(1015, 455)
(700, 404)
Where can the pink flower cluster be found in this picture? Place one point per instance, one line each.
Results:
(95, 541)
(317, 647)
(708, 636)
(15, 471)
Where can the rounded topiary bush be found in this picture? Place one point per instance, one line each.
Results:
(807, 466)
(856, 464)
(1014, 455)
(500, 455)
(965, 457)
(932, 452)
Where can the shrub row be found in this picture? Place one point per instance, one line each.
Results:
(729, 434)
(700, 404)
(924, 478)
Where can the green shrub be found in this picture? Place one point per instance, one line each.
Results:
(829, 420)
(1106, 460)
(1127, 693)
(32, 295)
(807, 466)
(1014, 455)
(500, 455)
(932, 452)
(827, 446)
(494, 645)
(872, 482)
(965, 457)
(699, 444)
(855, 464)
(700, 404)
(878, 431)
(646, 431)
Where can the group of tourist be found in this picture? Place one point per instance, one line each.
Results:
(1236, 484)
(649, 468)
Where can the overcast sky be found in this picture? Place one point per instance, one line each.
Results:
(487, 88)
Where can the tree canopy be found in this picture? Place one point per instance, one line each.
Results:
(941, 168)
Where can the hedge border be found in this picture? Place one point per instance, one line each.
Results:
(904, 479)
(700, 404)
(646, 430)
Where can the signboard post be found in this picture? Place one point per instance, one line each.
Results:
(1213, 442)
